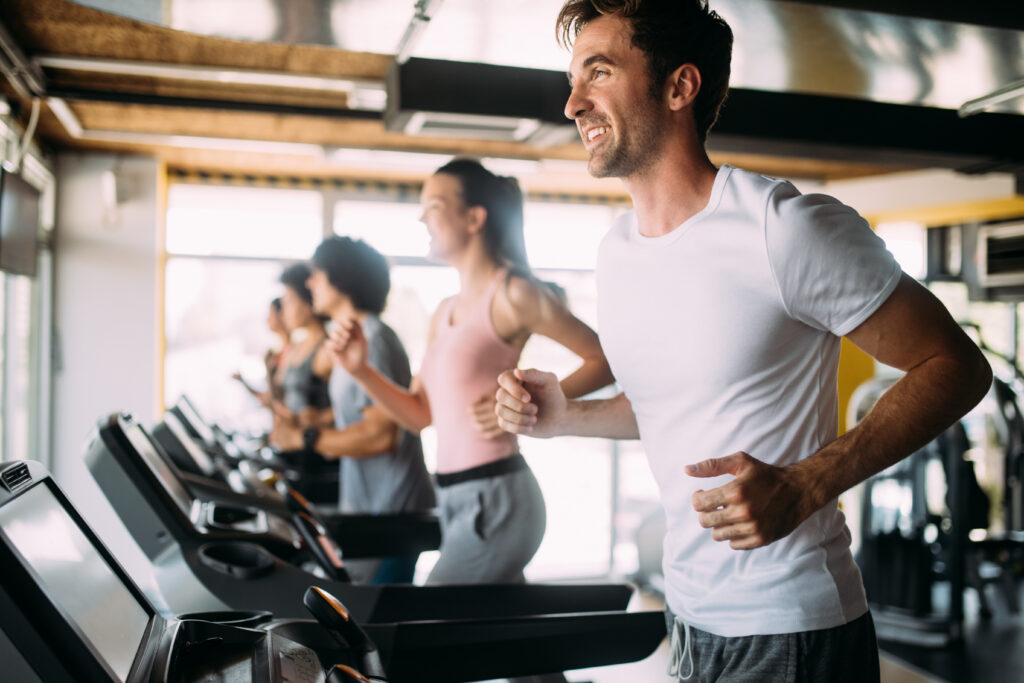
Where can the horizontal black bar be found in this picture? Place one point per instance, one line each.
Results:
(481, 89)
(796, 120)
(1006, 14)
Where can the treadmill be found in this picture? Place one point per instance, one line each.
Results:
(213, 467)
(209, 556)
(69, 613)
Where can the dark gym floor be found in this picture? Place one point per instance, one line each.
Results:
(992, 650)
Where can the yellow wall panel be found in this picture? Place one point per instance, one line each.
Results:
(855, 367)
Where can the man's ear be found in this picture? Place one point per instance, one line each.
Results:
(682, 87)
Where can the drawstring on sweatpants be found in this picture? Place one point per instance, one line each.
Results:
(680, 651)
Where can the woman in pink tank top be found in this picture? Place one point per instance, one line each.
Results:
(492, 512)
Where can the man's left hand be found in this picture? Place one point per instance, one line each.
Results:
(761, 505)
(286, 436)
(282, 414)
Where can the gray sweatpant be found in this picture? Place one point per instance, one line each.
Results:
(490, 529)
(844, 654)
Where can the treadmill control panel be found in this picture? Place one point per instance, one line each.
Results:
(77, 578)
(209, 516)
(204, 515)
(293, 663)
(72, 603)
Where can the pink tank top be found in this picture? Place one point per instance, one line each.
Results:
(460, 365)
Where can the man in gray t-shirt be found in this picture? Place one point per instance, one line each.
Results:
(395, 481)
(381, 465)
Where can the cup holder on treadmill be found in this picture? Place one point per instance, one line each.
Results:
(227, 515)
(237, 559)
(241, 618)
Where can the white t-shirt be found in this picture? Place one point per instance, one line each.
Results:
(724, 334)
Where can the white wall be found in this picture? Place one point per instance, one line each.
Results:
(105, 316)
(917, 189)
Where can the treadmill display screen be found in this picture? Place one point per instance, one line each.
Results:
(199, 457)
(175, 489)
(189, 412)
(76, 576)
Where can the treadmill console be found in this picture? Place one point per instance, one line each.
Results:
(191, 418)
(199, 456)
(218, 461)
(230, 457)
(158, 508)
(96, 601)
(205, 516)
(74, 616)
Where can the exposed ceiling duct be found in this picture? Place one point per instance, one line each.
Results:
(824, 127)
(820, 85)
(434, 97)
(480, 101)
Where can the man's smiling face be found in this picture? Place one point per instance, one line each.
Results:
(620, 123)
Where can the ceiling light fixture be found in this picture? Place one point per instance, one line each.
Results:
(74, 128)
(395, 160)
(421, 162)
(985, 102)
(414, 31)
(363, 93)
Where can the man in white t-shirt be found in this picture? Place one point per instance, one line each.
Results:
(722, 298)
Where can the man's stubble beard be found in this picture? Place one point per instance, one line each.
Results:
(629, 156)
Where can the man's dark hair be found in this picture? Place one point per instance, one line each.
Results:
(670, 33)
(355, 269)
(294, 277)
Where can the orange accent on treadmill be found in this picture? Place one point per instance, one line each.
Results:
(333, 602)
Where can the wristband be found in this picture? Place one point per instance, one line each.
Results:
(310, 435)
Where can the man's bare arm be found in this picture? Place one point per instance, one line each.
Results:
(376, 433)
(946, 375)
(532, 402)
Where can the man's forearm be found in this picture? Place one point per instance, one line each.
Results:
(610, 418)
(358, 440)
(404, 407)
(920, 406)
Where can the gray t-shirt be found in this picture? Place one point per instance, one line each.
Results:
(389, 482)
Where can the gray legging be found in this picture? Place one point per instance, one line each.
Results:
(490, 529)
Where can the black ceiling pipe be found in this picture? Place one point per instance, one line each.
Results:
(1008, 14)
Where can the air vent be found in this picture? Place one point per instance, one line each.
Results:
(478, 101)
(15, 477)
(1001, 255)
(447, 124)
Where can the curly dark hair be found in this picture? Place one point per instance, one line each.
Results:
(294, 277)
(670, 33)
(355, 269)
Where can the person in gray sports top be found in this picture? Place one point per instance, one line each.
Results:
(396, 481)
(381, 465)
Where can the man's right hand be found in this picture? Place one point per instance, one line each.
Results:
(348, 346)
(286, 436)
(282, 413)
(530, 402)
